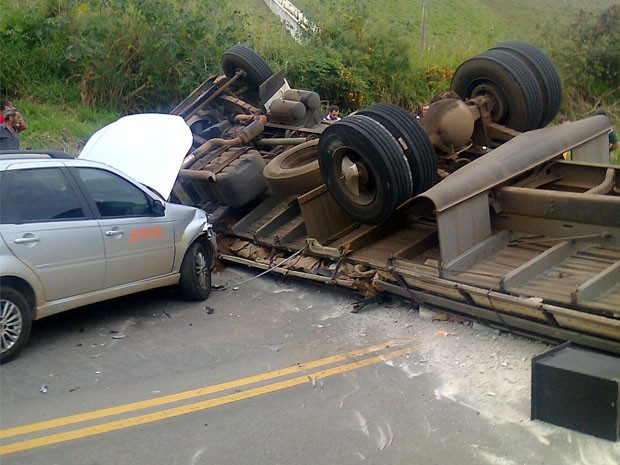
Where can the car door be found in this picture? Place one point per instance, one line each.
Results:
(46, 224)
(139, 240)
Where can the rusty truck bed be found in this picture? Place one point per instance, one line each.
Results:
(519, 237)
(536, 251)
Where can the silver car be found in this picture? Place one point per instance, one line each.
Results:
(75, 231)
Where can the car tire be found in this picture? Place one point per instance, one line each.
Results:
(364, 168)
(16, 322)
(295, 171)
(545, 72)
(416, 145)
(508, 82)
(241, 57)
(195, 282)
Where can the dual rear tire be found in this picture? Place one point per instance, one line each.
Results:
(521, 82)
(374, 160)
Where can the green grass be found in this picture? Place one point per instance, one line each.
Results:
(60, 127)
(458, 28)
(56, 120)
(455, 31)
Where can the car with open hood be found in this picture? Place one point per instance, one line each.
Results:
(75, 231)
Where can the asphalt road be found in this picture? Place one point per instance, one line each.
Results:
(273, 371)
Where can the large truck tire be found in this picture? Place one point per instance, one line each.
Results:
(295, 171)
(413, 139)
(513, 89)
(364, 168)
(546, 74)
(241, 57)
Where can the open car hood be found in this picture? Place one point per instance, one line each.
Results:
(148, 147)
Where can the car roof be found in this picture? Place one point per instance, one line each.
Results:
(42, 158)
(29, 154)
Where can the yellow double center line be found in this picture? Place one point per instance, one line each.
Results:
(197, 406)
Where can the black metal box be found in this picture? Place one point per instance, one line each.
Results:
(577, 389)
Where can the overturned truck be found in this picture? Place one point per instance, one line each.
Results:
(477, 208)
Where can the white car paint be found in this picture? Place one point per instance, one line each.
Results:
(149, 147)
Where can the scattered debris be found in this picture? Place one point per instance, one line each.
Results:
(209, 310)
(379, 298)
(279, 291)
(426, 313)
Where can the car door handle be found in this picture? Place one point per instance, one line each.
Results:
(26, 240)
(115, 232)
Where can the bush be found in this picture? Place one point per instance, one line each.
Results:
(34, 37)
(352, 64)
(127, 55)
(147, 55)
(590, 59)
(323, 71)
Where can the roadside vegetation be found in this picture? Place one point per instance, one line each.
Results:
(71, 66)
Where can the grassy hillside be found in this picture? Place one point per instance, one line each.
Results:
(62, 111)
(365, 51)
(456, 28)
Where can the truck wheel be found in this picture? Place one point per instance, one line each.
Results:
(295, 171)
(364, 168)
(195, 279)
(15, 323)
(514, 92)
(415, 143)
(241, 57)
(545, 72)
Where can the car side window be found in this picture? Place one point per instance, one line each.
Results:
(114, 196)
(40, 194)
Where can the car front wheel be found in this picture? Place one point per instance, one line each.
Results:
(15, 323)
(195, 280)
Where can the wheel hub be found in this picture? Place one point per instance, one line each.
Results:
(355, 176)
(200, 264)
(497, 99)
(10, 324)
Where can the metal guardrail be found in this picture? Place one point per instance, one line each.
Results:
(296, 22)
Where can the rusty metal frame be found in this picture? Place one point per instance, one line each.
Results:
(484, 242)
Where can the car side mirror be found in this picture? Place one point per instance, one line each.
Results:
(158, 208)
